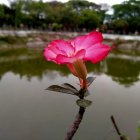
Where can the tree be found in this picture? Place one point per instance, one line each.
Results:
(129, 11)
(89, 19)
(80, 5)
(73, 15)
(6, 15)
(54, 16)
(17, 6)
(69, 19)
(35, 13)
(89, 14)
(1, 14)
(120, 26)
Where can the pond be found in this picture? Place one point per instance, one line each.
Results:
(29, 112)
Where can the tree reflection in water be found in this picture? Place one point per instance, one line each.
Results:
(125, 72)
(121, 70)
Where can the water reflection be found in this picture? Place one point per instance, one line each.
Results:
(30, 112)
(123, 71)
(35, 67)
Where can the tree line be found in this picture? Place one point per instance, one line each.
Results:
(74, 15)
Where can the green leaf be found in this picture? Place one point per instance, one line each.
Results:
(60, 89)
(83, 103)
(90, 80)
(70, 87)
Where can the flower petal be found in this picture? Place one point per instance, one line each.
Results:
(62, 59)
(64, 46)
(83, 42)
(97, 52)
(80, 54)
(49, 54)
(54, 49)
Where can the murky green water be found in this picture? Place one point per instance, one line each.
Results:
(29, 112)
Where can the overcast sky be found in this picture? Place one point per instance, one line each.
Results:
(110, 2)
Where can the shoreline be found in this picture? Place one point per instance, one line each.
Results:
(39, 39)
(24, 33)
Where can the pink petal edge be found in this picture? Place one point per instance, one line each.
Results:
(62, 59)
(63, 46)
(97, 52)
(85, 41)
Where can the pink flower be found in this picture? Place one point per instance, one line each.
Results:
(77, 51)
(87, 48)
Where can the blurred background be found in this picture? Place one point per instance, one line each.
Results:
(119, 17)
(27, 111)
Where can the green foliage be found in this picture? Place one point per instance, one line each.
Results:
(75, 15)
(79, 5)
(31, 63)
(1, 11)
(52, 15)
(134, 24)
(89, 19)
(120, 25)
(30, 66)
(56, 26)
(69, 18)
(6, 15)
(13, 52)
(123, 71)
(128, 11)
(11, 39)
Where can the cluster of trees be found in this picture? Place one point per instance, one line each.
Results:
(75, 15)
(126, 17)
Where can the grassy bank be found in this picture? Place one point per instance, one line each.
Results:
(40, 40)
(12, 40)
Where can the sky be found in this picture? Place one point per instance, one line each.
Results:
(110, 2)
